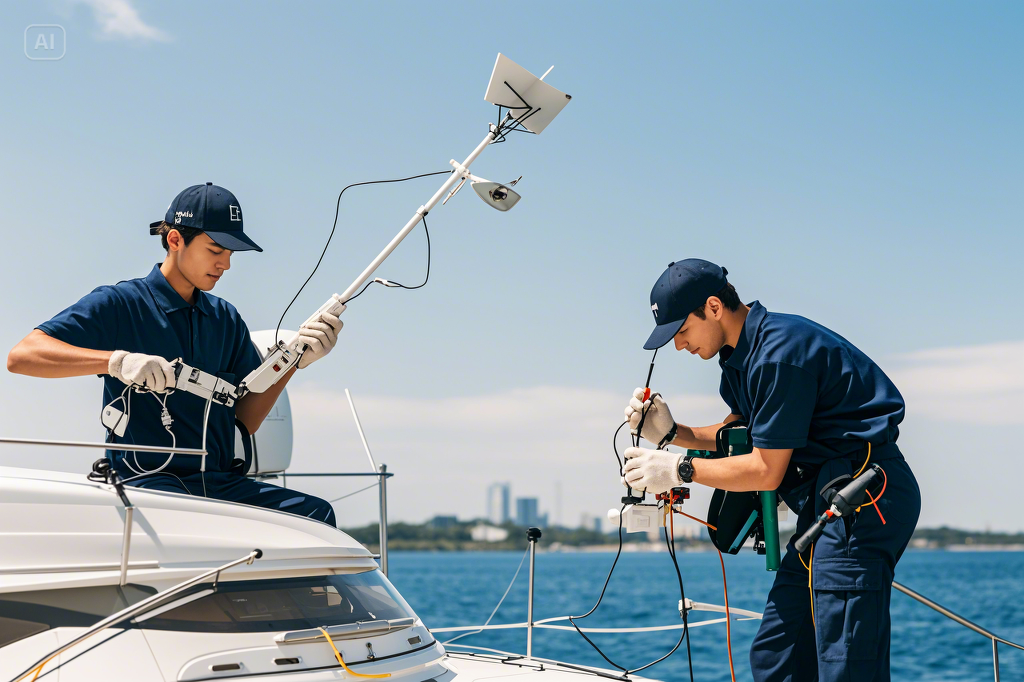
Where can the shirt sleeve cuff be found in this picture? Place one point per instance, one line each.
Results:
(779, 443)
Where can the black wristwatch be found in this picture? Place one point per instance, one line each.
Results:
(686, 469)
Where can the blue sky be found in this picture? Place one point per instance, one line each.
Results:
(856, 163)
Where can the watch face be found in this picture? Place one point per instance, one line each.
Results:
(685, 470)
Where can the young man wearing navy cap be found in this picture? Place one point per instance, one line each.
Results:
(129, 332)
(817, 409)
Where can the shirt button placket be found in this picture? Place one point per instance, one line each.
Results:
(194, 341)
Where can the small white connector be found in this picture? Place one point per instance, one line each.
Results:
(639, 518)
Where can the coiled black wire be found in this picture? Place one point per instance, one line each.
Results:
(337, 211)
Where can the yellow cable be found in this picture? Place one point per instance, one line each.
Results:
(810, 566)
(862, 469)
(810, 570)
(809, 587)
(865, 461)
(337, 654)
(38, 669)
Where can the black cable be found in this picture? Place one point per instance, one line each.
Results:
(337, 210)
(615, 447)
(600, 598)
(398, 285)
(671, 550)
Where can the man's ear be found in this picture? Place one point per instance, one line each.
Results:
(175, 242)
(714, 307)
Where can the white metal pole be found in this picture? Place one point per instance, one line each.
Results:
(126, 543)
(532, 535)
(359, 427)
(382, 477)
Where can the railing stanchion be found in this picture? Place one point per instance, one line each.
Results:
(532, 535)
(995, 658)
(383, 480)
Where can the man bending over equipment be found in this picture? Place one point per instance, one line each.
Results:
(817, 409)
(130, 331)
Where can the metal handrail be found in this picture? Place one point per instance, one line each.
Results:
(138, 609)
(382, 475)
(962, 621)
(357, 473)
(126, 447)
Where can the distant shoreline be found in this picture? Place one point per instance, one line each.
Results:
(477, 535)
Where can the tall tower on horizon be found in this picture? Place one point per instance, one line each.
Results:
(498, 502)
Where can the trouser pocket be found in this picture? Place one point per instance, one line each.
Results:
(850, 608)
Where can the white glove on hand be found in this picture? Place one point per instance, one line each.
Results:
(656, 471)
(138, 369)
(658, 422)
(319, 336)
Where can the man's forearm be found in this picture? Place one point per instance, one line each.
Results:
(696, 437)
(252, 409)
(40, 355)
(762, 469)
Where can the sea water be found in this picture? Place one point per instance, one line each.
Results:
(462, 588)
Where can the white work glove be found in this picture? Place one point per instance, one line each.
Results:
(319, 337)
(656, 471)
(657, 424)
(138, 369)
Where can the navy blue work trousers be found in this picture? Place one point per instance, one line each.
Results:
(845, 637)
(232, 487)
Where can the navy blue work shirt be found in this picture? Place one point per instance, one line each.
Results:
(800, 385)
(147, 315)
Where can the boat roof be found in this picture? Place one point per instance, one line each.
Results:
(62, 530)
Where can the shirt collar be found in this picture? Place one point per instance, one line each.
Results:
(751, 326)
(170, 300)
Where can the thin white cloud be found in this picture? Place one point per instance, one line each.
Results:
(972, 384)
(120, 19)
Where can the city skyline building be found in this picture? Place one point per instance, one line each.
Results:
(526, 512)
(498, 503)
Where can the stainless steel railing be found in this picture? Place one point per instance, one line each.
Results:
(382, 475)
(962, 621)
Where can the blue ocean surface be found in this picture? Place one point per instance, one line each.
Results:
(462, 588)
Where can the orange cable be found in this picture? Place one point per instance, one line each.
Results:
(337, 654)
(694, 518)
(725, 586)
(728, 618)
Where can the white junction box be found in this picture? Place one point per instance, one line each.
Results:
(643, 518)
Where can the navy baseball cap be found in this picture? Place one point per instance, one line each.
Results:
(681, 289)
(212, 209)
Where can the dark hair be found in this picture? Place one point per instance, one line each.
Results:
(187, 233)
(729, 298)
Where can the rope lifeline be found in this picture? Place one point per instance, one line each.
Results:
(337, 654)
